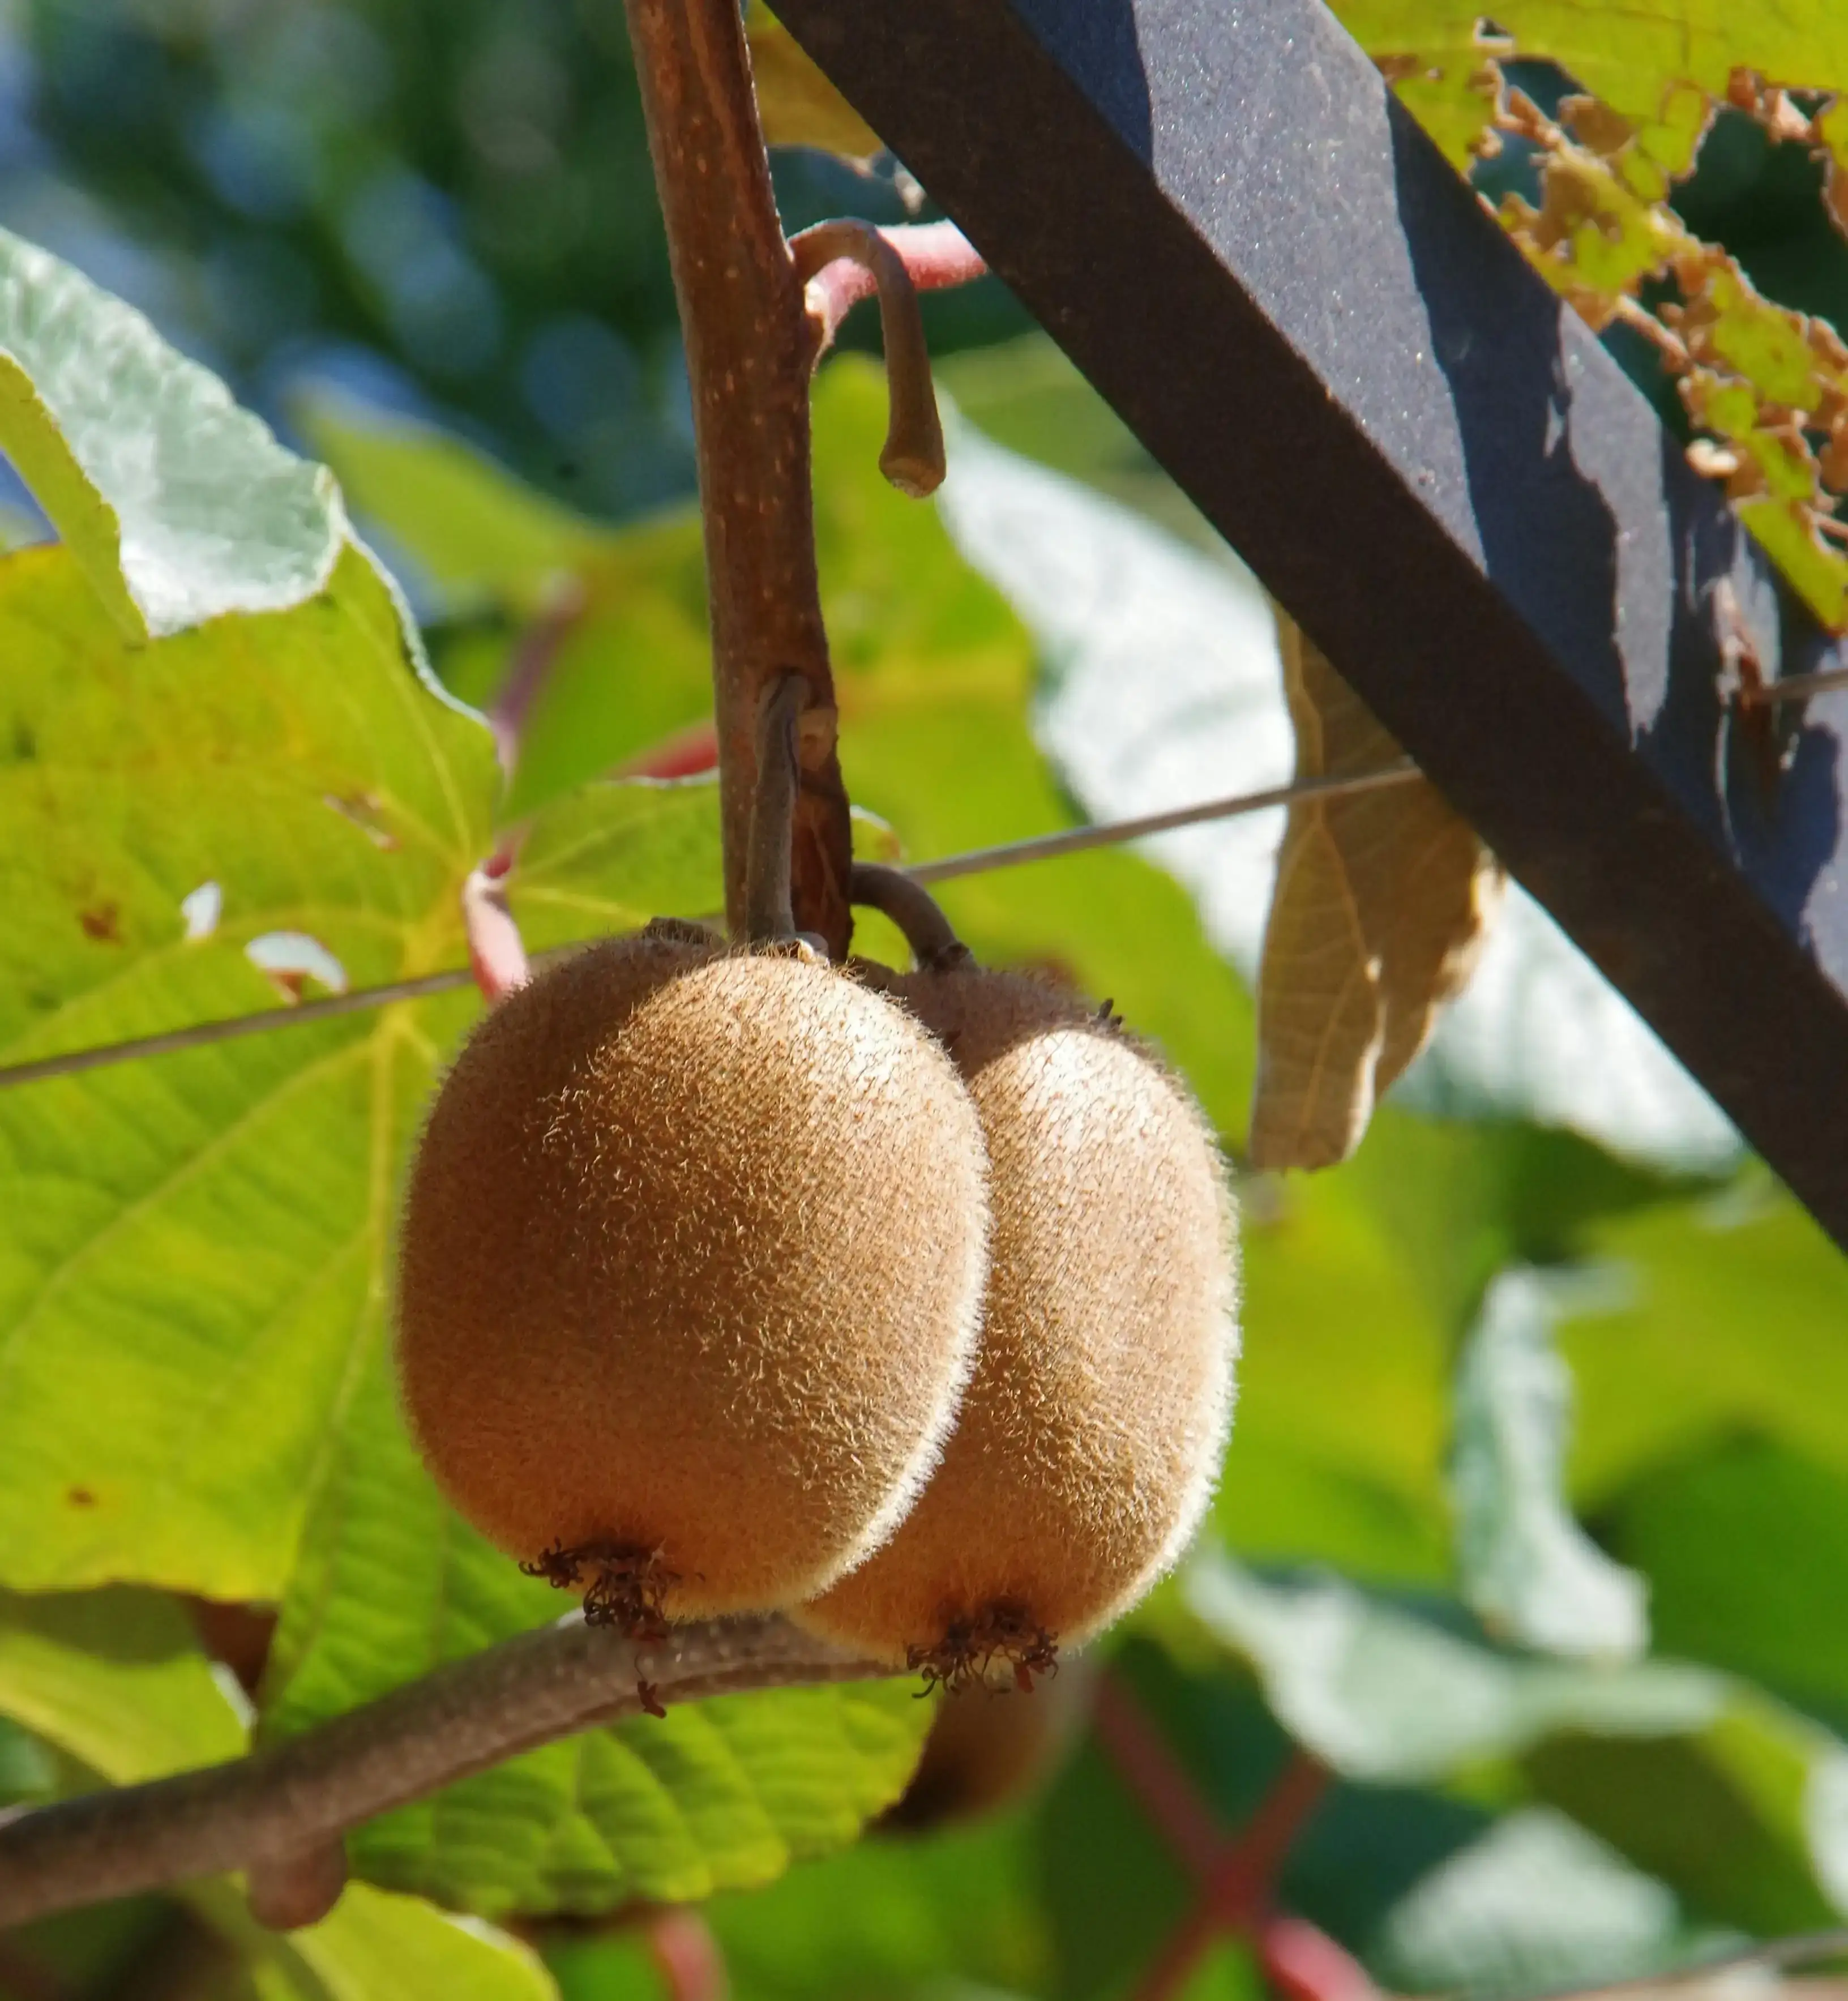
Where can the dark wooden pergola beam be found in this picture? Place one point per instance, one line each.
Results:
(1218, 211)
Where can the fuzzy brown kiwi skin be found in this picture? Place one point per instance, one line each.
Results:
(691, 1262)
(1088, 1442)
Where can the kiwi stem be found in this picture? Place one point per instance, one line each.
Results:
(912, 457)
(291, 1800)
(749, 351)
(910, 906)
(769, 912)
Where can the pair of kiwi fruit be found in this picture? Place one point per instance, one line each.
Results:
(733, 1280)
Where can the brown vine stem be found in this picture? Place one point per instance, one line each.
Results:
(748, 351)
(294, 1798)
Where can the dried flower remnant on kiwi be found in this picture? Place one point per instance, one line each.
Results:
(1088, 1442)
(627, 1587)
(964, 1654)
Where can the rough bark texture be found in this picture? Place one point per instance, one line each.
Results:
(266, 1813)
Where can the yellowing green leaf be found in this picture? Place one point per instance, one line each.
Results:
(1631, 57)
(797, 103)
(198, 1266)
(1379, 909)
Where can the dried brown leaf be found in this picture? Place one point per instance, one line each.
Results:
(1381, 906)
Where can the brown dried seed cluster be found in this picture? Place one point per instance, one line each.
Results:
(697, 1250)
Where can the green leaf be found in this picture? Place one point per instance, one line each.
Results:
(1029, 398)
(477, 533)
(1383, 1696)
(622, 611)
(1727, 1814)
(609, 856)
(718, 1796)
(935, 680)
(1630, 57)
(1528, 1569)
(1337, 1445)
(373, 1945)
(1535, 1903)
(1745, 1548)
(179, 506)
(116, 1680)
(890, 1916)
(198, 1273)
(1738, 1804)
(1725, 1314)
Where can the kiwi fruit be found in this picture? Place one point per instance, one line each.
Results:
(692, 1258)
(1092, 1430)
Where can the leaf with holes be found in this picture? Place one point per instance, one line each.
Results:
(1380, 909)
(196, 828)
(205, 826)
(1631, 57)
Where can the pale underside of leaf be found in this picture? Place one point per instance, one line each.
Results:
(179, 506)
(1380, 907)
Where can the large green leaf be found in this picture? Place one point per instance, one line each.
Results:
(1733, 1816)
(179, 506)
(717, 1795)
(1338, 1443)
(1746, 1547)
(622, 612)
(477, 534)
(196, 1278)
(193, 1276)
